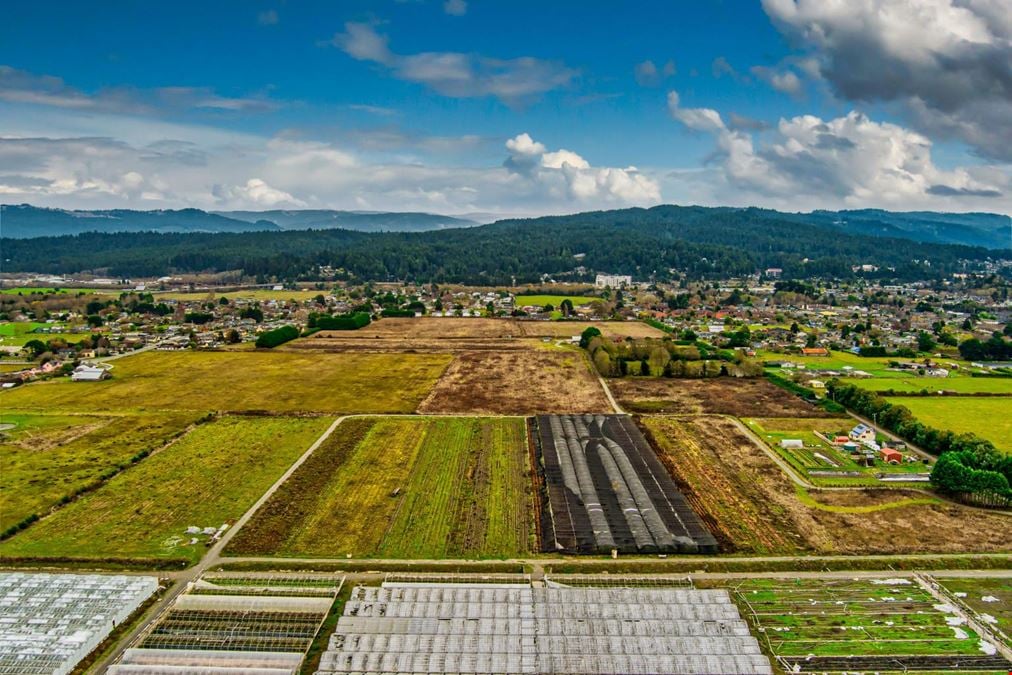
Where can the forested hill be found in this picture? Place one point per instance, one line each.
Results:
(702, 242)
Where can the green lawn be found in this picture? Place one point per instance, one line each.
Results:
(403, 488)
(18, 333)
(987, 417)
(960, 385)
(875, 365)
(553, 300)
(210, 477)
(244, 380)
(46, 458)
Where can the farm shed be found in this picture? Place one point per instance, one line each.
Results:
(792, 444)
(50, 622)
(890, 455)
(516, 628)
(86, 373)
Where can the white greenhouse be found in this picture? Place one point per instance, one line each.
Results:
(50, 622)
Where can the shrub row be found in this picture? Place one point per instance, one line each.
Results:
(278, 336)
(352, 321)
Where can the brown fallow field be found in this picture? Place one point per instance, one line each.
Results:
(528, 382)
(751, 506)
(741, 397)
(460, 334)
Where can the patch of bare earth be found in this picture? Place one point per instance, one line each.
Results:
(528, 382)
(740, 491)
(741, 397)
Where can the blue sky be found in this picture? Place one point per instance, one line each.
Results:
(505, 107)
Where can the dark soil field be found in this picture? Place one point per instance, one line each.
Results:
(741, 397)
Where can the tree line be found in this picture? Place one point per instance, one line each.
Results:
(698, 243)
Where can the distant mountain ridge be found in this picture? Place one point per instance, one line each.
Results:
(988, 230)
(24, 221)
(360, 221)
(659, 242)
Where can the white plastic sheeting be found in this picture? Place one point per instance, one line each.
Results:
(140, 661)
(50, 622)
(473, 628)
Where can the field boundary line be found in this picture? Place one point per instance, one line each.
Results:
(102, 482)
(220, 546)
(211, 558)
(604, 385)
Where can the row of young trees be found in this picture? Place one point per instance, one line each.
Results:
(968, 466)
(666, 357)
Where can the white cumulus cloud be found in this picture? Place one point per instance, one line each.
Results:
(565, 173)
(847, 161)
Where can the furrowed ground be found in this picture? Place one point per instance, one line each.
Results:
(751, 506)
(209, 477)
(741, 397)
(240, 381)
(47, 458)
(403, 488)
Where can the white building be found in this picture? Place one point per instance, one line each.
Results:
(89, 373)
(612, 280)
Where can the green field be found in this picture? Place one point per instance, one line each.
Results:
(403, 488)
(960, 385)
(234, 381)
(29, 290)
(209, 477)
(987, 417)
(19, 333)
(261, 294)
(553, 300)
(46, 458)
(991, 599)
(850, 617)
(878, 366)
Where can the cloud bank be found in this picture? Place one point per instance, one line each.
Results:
(946, 63)
(849, 161)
